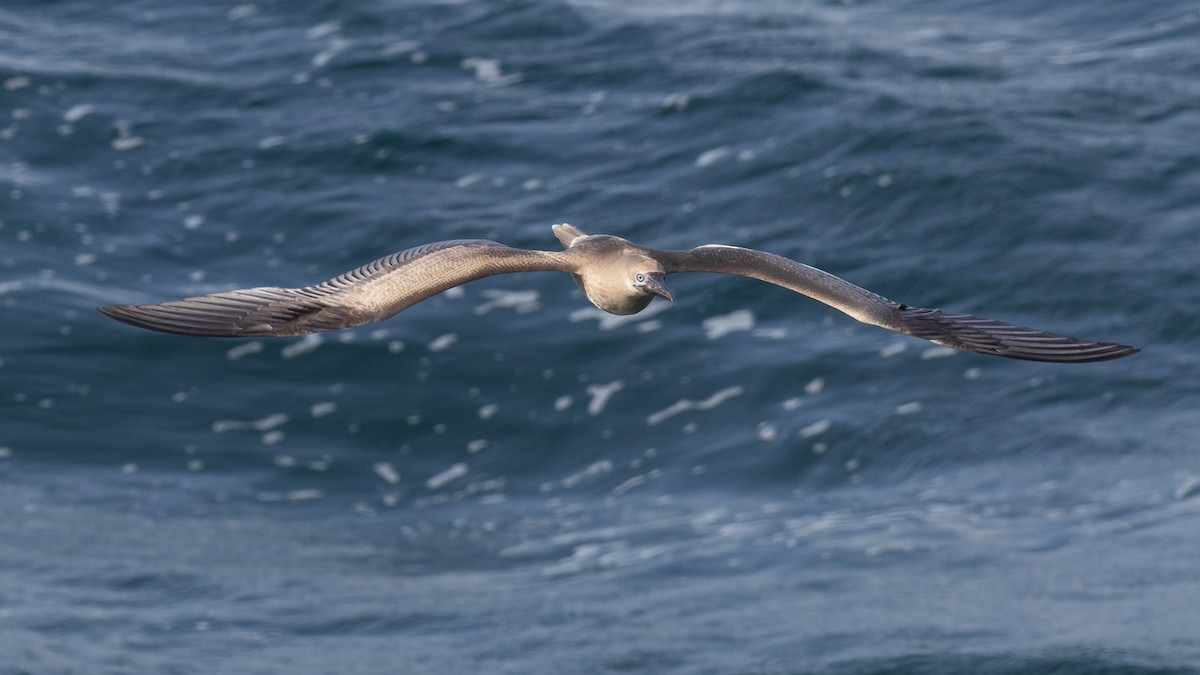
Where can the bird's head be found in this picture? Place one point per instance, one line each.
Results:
(643, 279)
(650, 282)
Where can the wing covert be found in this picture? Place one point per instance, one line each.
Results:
(369, 293)
(960, 331)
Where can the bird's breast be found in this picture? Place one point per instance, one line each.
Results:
(625, 306)
(622, 301)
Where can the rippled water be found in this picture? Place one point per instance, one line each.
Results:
(503, 479)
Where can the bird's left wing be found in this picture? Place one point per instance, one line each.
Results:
(372, 292)
(960, 331)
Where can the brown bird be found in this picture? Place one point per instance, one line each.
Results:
(617, 276)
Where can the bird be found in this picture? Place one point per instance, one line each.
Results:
(616, 275)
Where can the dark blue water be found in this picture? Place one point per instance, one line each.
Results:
(500, 480)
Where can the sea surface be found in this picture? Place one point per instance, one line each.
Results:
(504, 480)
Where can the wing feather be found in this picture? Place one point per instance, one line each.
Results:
(960, 331)
(369, 293)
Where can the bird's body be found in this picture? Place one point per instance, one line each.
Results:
(616, 275)
(604, 267)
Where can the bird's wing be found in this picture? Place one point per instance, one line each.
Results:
(960, 331)
(372, 292)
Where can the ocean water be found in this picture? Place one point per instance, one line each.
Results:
(503, 480)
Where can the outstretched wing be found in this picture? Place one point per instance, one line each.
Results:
(960, 331)
(372, 292)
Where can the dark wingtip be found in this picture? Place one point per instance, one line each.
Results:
(988, 336)
(119, 312)
(164, 319)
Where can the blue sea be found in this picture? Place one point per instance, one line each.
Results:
(502, 479)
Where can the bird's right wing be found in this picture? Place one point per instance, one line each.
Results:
(960, 331)
(372, 292)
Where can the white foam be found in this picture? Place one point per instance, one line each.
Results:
(522, 302)
(322, 409)
(677, 101)
(1188, 488)
(121, 144)
(488, 72)
(239, 351)
(241, 12)
(387, 472)
(78, 112)
(489, 411)
(304, 345)
(291, 496)
(816, 386)
(816, 429)
(265, 424)
(454, 472)
(601, 393)
(336, 46)
(468, 180)
(323, 30)
(719, 326)
(710, 157)
(938, 353)
(767, 432)
(443, 342)
(401, 47)
(593, 470)
(685, 405)
(111, 202)
(909, 408)
(636, 481)
(17, 82)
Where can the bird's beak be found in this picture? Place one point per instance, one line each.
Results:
(656, 283)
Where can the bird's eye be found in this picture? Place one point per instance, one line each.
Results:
(640, 278)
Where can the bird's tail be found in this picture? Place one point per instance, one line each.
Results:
(567, 234)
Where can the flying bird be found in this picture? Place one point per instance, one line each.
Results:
(616, 275)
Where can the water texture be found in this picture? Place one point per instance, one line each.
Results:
(504, 480)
